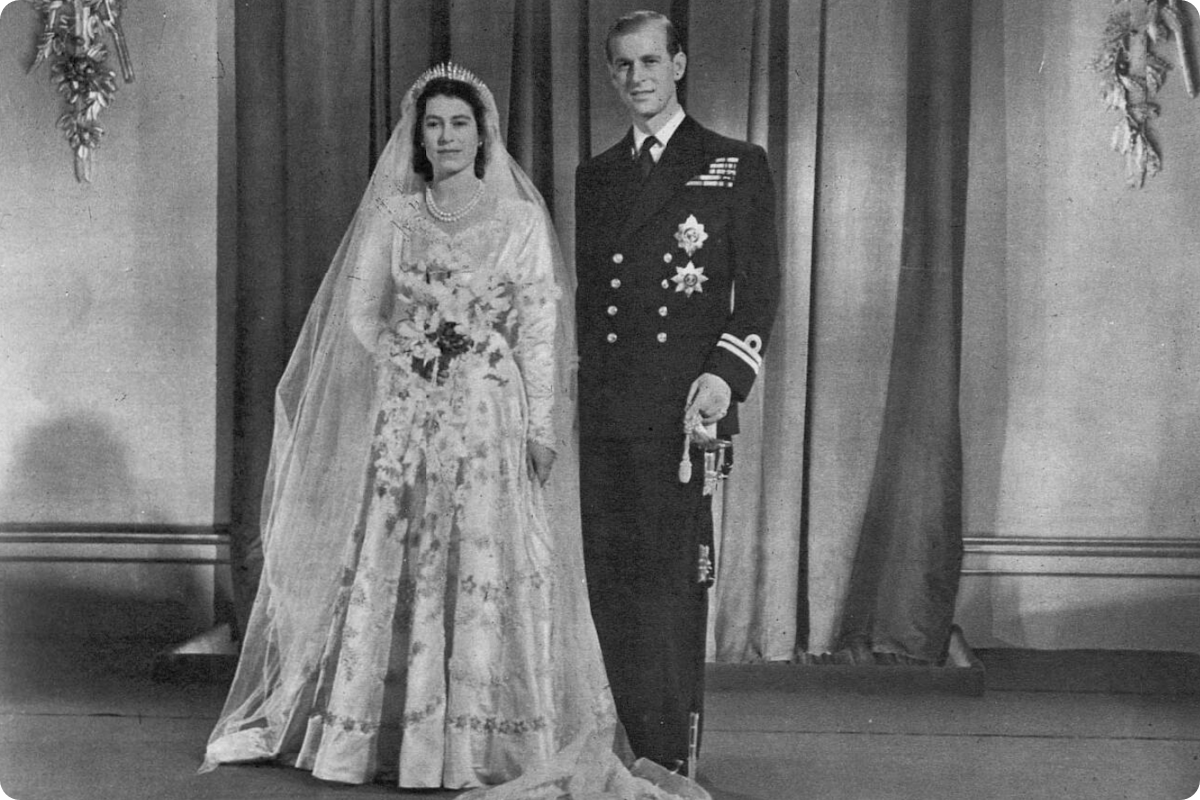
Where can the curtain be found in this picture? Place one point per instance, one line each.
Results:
(840, 527)
(904, 579)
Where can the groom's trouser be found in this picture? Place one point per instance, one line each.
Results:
(642, 533)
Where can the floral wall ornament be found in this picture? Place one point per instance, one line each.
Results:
(1132, 72)
(73, 44)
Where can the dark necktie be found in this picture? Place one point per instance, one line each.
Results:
(644, 160)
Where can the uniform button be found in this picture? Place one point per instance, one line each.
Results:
(612, 311)
(618, 258)
(667, 257)
(612, 337)
(616, 283)
(662, 337)
(666, 284)
(662, 311)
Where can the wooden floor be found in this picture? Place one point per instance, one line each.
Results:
(94, 723)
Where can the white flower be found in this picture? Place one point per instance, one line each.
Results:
(691, 235)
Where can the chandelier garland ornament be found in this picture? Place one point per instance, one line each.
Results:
(73, 44)
(1132, 72)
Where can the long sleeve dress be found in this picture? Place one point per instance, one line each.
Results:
(433, 663)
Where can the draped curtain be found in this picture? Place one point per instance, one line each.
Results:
(841, 526)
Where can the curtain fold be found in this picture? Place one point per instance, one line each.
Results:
(905, 574)
(261, 345)
(845, 496)
(759, 591)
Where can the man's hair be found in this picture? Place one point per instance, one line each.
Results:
(635, 21)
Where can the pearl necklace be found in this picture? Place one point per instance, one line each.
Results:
(453, 216)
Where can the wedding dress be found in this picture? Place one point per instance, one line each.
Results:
(421, 618)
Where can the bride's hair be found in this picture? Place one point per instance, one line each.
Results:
(460, 90)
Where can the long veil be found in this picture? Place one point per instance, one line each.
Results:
(326, 408)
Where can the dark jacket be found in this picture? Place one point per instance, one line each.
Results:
(651, 317)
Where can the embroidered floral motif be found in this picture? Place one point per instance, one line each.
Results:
(486, 725)
(495, 590)
(350, 724)
(505, 727)
(451, 562)
(691, 235)
(689, 279)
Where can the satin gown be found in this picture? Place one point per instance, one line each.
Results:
(436, 668)
(438, 663)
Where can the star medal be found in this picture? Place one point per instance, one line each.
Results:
(689, 279)
(691, 235)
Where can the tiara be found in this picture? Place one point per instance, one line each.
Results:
(449, 70)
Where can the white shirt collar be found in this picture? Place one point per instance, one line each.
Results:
(663, 134)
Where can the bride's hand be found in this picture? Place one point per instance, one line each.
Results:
(541, 458)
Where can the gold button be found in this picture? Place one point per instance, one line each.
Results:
(618, 258)
(662, 311)
(616, 283)
(667, 257)
(612, 311)
(666, 284)
(612, 337)
(662, 337)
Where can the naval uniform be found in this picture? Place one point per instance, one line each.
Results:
(658, 259)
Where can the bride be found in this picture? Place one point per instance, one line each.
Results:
(419, 620)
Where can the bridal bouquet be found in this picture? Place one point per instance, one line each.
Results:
(450, 344)
(444, 320)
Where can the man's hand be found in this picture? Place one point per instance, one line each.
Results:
(709, 397)
(541, 458)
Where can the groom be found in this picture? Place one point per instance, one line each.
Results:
(678, 276)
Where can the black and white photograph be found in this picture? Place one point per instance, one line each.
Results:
(599, 399)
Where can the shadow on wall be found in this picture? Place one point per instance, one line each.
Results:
(72, 475)
(74, 469)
